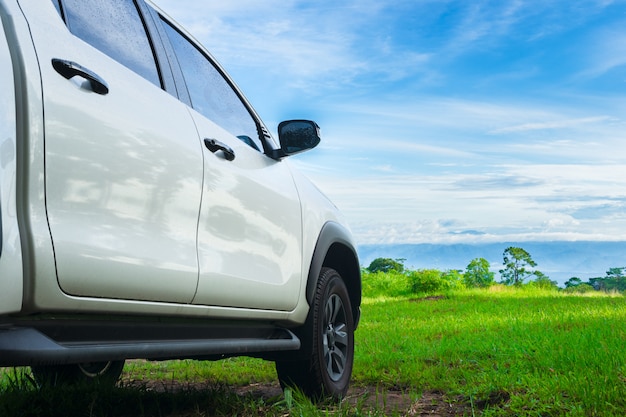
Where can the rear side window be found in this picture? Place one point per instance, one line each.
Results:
(116, 29)
(211, 94)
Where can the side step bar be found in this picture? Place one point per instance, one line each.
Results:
(28, 346)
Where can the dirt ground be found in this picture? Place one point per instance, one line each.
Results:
(433, 404)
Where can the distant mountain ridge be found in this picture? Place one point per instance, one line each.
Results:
(559, 260)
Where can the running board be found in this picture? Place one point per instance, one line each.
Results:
(28, 346)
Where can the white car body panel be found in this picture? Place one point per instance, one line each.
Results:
(250, 229)
(123, 199)
(10, 249)
(38, 269)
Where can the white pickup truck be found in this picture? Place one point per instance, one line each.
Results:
(147, 212)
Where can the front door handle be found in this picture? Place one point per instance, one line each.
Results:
(69, 69)
(215, 145)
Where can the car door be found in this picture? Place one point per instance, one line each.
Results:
(123, 163)
(249, 236)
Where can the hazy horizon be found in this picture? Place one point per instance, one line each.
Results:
(558, 260)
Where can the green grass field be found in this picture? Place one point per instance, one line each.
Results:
(500, 351)
(529, 352)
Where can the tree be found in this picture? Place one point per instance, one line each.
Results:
(573, 282)
(543, 281)
(598, 283)
(613, 281)
(616, 273)
(581, 288)
(386, 265)
(516, 264)
(616, 279)
(477, 273)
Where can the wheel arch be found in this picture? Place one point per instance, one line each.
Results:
(335, 249)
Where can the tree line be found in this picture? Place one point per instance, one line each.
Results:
(518, 269)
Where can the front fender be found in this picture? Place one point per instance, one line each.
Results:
(335, 249)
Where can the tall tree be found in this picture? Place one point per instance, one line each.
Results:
(477, 273)
(615, 272)
(386, 265)
(615, 279)
(517, 264)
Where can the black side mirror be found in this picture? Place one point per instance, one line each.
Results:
(297, 136)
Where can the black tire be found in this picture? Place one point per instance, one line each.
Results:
(88, 373)
(330, 325)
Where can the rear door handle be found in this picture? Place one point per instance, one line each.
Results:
(215, 145)
(69, 69)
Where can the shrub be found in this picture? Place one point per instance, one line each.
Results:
(391, 284)
(455, 279)
(433, 280)
(425, 280)
(544, 282)
(579, 289)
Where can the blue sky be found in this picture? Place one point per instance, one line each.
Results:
(443, 121)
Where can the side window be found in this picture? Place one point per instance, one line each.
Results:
(115, 28)
(210, 93)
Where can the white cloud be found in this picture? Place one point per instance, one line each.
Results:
(606, 52)
(303, 45)
(554, 124)
(383, 168)
(521, 203)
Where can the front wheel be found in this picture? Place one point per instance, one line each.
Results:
(326, 374)
(76, 374)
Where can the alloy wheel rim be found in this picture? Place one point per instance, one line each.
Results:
(335, 337)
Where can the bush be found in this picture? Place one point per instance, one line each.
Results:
(425, 280)
(455, 279)
(542, 281)
(391, 284)
(579, 289)
(433, 280)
